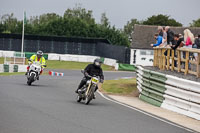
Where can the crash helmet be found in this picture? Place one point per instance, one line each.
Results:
(39, 53)
(97, 62)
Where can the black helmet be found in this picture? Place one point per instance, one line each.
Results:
(39, 53)
(97, 62)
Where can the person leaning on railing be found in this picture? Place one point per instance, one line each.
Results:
(159, 40)
(179, 43)
(196, 45)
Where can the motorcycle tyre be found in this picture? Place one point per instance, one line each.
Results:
(31, 79)
(78, 98)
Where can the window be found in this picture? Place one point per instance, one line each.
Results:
(142, 52)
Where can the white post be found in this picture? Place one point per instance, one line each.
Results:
(22, 48)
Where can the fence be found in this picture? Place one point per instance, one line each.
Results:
(65, 45)
(180, 60)
(169, 92)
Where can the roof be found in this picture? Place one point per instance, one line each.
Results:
(143, 35)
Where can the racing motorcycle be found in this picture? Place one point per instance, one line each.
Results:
(86, 93)
(34, 72)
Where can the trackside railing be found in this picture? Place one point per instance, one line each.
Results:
(181, 60)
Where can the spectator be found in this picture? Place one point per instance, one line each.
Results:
(188, 38)
(197, 41)
(170, 35)
(164, 42)
(160, 30)
(159, 40)
(196, 45)
(179, 41)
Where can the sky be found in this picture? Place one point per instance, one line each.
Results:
(119, 12)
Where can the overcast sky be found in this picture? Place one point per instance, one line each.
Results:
(118, 11)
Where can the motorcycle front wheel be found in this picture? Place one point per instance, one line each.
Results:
(87, 100)
(31, 79)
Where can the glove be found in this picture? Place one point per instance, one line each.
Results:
(101, 80)
(86, 74)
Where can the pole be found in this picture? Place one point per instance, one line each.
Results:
(22, 48)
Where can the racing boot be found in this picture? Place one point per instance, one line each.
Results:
(76, 90)
(94, 96)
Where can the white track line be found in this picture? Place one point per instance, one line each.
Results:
(148, 114)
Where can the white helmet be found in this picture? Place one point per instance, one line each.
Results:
(39, 53)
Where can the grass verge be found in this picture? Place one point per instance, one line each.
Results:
(120, 87)
(13, 73)
(52, 64)
(1, 60)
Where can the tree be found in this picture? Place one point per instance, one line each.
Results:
(161, 20)
(129, 27)
(9, 23)
(79, 12)
(104, 20)
(195, 23)
(76, 22)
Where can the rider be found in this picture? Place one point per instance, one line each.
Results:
(38, 57)
(91, 70)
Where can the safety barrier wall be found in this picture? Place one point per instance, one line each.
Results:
(12, 68)
(169, 92)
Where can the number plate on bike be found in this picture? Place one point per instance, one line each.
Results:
(95, 80)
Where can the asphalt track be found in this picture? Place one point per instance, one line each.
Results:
(49, 106)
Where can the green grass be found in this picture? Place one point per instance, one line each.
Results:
(1, 60)
(13, 73)
(51, 64)
(120, 86)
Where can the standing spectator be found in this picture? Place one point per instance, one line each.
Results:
(160, 30)
(179, 43)
(197, 41)
(170, 35)
(164, 42)
(196, 45)
(159, 40)
(188, 38)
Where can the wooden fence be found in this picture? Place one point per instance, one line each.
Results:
(180, 60)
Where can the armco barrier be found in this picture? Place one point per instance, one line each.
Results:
(169, 92)
(126, 67)
(1, 53)
(53, 56)
(7, 53)
(29, 54)
(13, 68)
(1, 68)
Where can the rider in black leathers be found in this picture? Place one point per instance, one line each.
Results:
(91, 70)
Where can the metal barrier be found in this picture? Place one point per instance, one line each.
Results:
(169, 92)
(180, 60)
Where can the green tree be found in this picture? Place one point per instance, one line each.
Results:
(104, 20)
(79, 12)
(9, 23)
(129, 27)
(161, 20)
(76, 22)
(195, 23)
